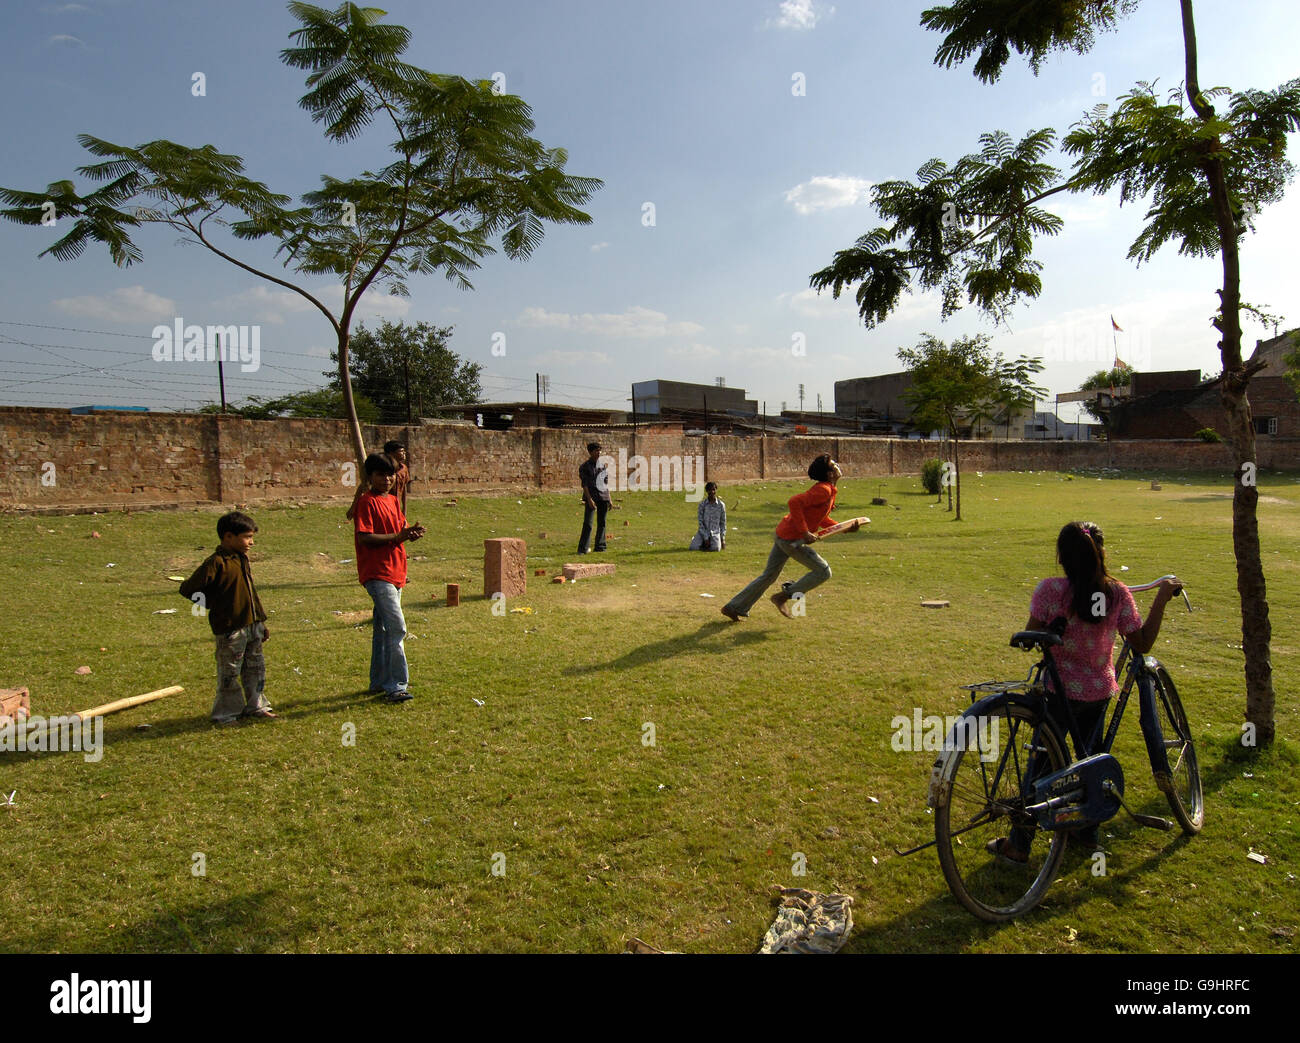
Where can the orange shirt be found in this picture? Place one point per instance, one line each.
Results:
(809, 512)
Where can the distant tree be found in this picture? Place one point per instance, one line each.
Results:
(408, 371)
(1015, 389)
(462, 171)
(1104, 380)
(961, 383)
(324, 403)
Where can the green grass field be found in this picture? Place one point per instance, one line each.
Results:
(771, 736)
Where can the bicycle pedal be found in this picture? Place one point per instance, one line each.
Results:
(1154, 821)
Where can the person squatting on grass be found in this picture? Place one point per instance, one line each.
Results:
(223, 585)
(712, 533)
(381, 530)
(1094, 607)
(809, 513)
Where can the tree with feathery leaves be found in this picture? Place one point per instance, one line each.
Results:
(464, 172)
(1204, 167)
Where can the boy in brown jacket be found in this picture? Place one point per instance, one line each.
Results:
(223, 586)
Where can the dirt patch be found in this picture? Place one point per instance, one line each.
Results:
(351, 619)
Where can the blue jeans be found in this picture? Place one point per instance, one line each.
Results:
(387, 652)
(782, 551)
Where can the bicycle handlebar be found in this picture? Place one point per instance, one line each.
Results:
(1156, 582)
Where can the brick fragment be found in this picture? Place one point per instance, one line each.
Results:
(583, 571)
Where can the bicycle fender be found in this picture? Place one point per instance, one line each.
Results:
(969, 731)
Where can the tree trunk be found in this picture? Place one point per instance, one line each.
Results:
(345, 382)
(1256, 631)
(956, 471)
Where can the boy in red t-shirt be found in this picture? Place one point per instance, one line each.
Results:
(810, 512)
(401, 480)
(381, 530)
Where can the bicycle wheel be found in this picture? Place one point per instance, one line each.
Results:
(1183, 784)
(980, 797)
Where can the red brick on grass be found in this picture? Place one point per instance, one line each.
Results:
(504, 570)
(453, 595)
(15, 703)
(572, 572)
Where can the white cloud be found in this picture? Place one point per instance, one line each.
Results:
(271, 305)
(821, 305)
(575, 358)
(127, 304)
(692, 351)
(65, 38)
(828, 193)
(928, 305)
(761, 356)
(597, 247)
(1084, 209)
(799, 14)
(637, 322)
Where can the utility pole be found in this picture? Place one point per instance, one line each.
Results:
(221, 374)
(800, 401)
(406, 372)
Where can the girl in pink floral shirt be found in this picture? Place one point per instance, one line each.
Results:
(1095, 607)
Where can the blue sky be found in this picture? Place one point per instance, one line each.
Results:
(692, 107)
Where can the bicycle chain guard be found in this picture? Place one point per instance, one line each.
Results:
(1085, 793)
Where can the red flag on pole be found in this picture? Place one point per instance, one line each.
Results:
(1115, 325)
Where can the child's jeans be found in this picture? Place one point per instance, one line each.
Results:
(387, 651)
(782, 551)
(240, 661)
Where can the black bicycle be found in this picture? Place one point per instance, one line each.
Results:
(1005, 771)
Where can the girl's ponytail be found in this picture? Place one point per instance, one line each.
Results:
(1079, 550)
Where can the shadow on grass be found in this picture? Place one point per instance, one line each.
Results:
(671, 646)
(179, 726)
(253, 923)
(940, 924)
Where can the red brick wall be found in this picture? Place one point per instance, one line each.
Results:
(160, 459)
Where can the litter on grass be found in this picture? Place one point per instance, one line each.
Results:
(809, 922)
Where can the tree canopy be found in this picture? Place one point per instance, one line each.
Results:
(463, 172)
(1104, 380)
(409, 371)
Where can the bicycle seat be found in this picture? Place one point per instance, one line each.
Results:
(1028, 639)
